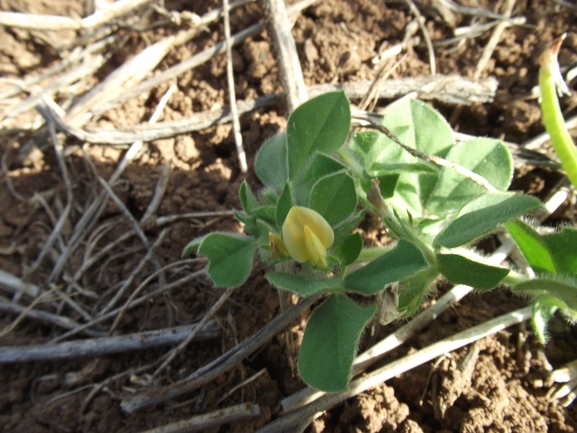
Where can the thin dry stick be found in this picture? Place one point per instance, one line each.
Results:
(59, 151)
(480, 180)
(106, 345)
(421, 21)
(158, 194)
(225, 362)
(23, 314)
(240, 385)
(283, 43)
(142, 285)
(194, 61)
(395, 368)
(120, 292)
(492, 44)
(210, 420)
(447, 89)
(194, 331)
(88, 67)
(8, 306)
(231, 91)
(61, 23)
(133, 304)
(17, 286)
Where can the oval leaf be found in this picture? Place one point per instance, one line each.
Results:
(303, 285)
(319, 125)
(482, 215)
(403, 260)
(270, 164)
(229, 258)
(330, 342)
(461, 270)
(334, 197)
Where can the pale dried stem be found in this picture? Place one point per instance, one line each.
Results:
(377, 377)
(210, 420)
(141, 263)
(56, 232)
(280, 32)
(61, 23)
(8, 306)
(132, 304)
(152, 396)
(106, 345)
(192, 62)
(494, 40)
(232, 92)
(447, 89)
(421, 22)
(142, 285)
(173, 353)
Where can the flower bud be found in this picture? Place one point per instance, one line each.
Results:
(277, 247)
(307, 236)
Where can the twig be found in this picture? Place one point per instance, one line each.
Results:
(42, 316)
(493, 41)
(395, 368)
(240, 385)
(232, 92)
(480, 180)
(59, 151)
(283, 43)
(120, 292)
(194, 331)
(17, 286)
(193, 61)
(159, 191)
(152, 396)
(447, 89)
(133, 304)
(106, 345)
(60, 23)
(210, 420)
(421, 21)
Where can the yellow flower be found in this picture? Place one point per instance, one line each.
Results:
(307, 235)
(276, 245)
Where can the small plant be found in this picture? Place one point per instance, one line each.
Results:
(319, 182)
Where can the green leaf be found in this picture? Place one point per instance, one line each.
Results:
(330, 342)
(317, 167)
(246, 197)
(421, 127)
(304, 285)
(403, 260)
(544, 308)
(461, 270)
(413, 290)
(230, 258)
(319, 125)
(334, 197)
(484, 156)
(285, 202)
(564, 288)
(192, 246)
(563, 248)
(343, 230)
(270, 164)
(482, 215)
(350, 248)
(533, 247)
(249, 221)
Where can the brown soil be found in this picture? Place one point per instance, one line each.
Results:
(336, 40)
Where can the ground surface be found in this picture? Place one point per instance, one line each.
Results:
(336, 40)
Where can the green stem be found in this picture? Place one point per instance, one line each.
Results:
(549, 77)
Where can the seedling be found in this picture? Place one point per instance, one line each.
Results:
(318, 186)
